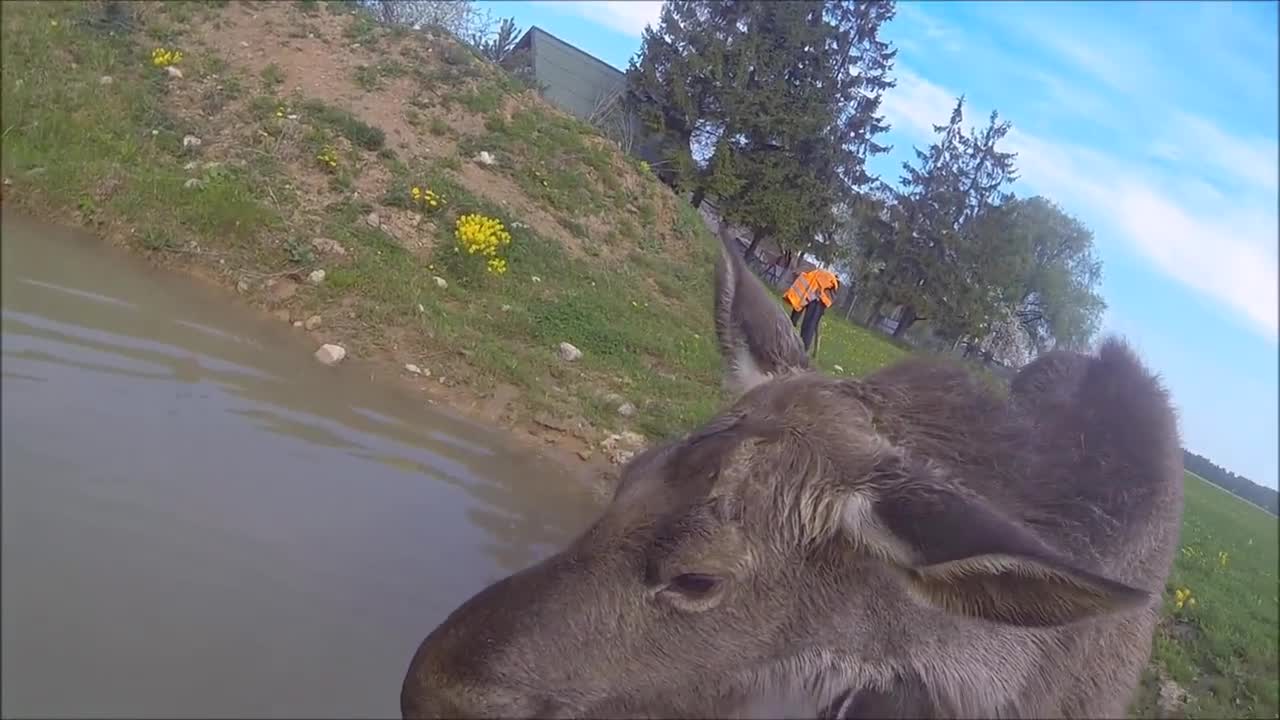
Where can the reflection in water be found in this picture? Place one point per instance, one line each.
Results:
(200, 520)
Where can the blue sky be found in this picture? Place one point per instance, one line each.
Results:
(1154, 123)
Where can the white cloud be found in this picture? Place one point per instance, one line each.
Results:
(1221, 245)
(626, 16)
(1100, 50)
(1226, 257)
(916, 105)
(1252, 161)
(929, 27)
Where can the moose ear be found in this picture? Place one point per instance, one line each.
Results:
(757, 340)
(962, 554)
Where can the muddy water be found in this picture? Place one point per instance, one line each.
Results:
(200, 520)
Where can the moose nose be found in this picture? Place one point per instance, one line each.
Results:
(437, 701)
(444, 681)
(420, 706)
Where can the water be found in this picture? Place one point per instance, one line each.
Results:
(200, 520)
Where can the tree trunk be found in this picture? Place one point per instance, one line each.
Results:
(750, 252)
(874, 316)
(388, 12)
(699, 195)
(908, 319)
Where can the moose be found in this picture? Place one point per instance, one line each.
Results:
(915, 543)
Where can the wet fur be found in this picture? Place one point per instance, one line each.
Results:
(907, 545)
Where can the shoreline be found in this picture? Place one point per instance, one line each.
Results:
(490, 410)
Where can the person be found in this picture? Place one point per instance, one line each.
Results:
(809, 297)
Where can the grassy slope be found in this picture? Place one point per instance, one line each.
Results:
(624, 266)
(627, 280)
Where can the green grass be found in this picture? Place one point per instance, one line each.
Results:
(272, 76)
(344, 123)
(1222, 650)
(370, 78)
(638, 304)
(550, 157)
(76, 143)
(658, 351)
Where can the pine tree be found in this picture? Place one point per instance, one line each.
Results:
(946, 262)
(783, 96)
(922, 220)
(674, 83)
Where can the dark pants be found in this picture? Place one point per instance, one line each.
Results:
(809, 328)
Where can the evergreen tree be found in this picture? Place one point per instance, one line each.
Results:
(674, 83)
(922, 224)
(783, 96)
(947, 259)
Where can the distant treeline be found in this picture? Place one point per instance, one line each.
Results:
(1239, 486)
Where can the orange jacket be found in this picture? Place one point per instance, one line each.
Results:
(809, 286)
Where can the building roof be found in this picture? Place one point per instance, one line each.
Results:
(534, 32)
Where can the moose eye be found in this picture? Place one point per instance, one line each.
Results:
(693, 585)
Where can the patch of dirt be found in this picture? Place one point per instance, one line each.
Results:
(505, 192)
(1171, 697)
(321, 66)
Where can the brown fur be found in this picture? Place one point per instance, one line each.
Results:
(908, 545)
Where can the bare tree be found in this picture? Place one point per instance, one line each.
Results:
(610, 116)
(460, 18)
(496, 46)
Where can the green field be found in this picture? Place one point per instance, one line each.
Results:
(634, 294)
(1221, 648)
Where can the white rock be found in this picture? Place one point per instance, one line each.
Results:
(484, 157)
(440, 282)
(174, 72)
(191, 141)
(569, 353)
(414, 369)
(421, 309)
(330, 354)
(106, 80)
(536, 279)
(837, 368)
(191, 165)
(193, 184)
(297, 323)
(372, 220)
(243, 286)
(312, 322)
(620, 448)
(626, 409)
(316, 277)
(244, 43)
(506, 308)
(328, 246)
